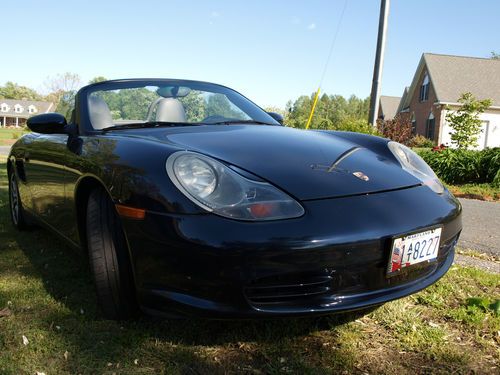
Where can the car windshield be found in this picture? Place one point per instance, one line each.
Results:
(177, 103)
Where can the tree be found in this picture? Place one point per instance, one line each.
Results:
(219, 105)
(97, 79)
(274, 109)
(332, 112)
(12, 90)
(357, 125)
(465, 122)
(62, 90)
(195, 106)
(494, 55)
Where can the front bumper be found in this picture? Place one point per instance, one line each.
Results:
(334, 258)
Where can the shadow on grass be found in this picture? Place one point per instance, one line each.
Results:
(74, 319)
(66, 277)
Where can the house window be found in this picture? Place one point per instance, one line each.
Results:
(413, 124)
(430, 127)
(4, 107)
(18, 108)
(424, 89)
(32, 109)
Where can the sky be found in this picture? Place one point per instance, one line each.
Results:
(271, 51)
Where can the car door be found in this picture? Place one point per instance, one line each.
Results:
(45, 175)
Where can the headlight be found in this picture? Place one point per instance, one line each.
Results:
(218, 189)
(415, 165)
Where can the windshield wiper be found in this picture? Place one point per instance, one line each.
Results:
(150, 124)
(229, 122)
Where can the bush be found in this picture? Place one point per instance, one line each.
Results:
(356, 125)
(458, 166)
(490, 163)
(398, 129)
(419, 141)
(496, 180)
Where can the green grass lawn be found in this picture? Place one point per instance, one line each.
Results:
(9, 136)
(487, 192)
(47, 296)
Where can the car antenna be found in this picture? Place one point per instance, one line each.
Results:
(332, 45)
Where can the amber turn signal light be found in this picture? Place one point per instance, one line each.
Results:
(130, 212)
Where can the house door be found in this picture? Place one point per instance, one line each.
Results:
(492, 134)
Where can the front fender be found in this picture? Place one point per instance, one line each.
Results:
(133, 172)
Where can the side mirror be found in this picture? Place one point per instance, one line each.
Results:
(276, 116)
(48, 123)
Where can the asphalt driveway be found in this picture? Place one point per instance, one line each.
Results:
(481, 226)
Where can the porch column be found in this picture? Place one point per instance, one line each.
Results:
(4, 121)
(17, 122)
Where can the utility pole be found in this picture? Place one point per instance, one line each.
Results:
(379, 61)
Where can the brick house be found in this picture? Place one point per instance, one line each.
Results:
(15, 112)
(438, 83)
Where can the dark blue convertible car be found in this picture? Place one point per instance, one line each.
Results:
(189, 199)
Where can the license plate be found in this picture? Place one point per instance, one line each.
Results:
(414, 248)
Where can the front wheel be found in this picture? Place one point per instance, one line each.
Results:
(109, 260)
(17, 215)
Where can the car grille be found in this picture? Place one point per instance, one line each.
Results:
(291, 288)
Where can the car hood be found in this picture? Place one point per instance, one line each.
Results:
(306, 164)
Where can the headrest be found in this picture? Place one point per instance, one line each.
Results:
(170, 110)
(100, 115)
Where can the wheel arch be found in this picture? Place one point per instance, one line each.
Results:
(82, 192)
(83, 189)
(9, 167)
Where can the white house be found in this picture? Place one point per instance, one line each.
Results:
(15, 112)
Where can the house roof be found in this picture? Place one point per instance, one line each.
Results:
(403, 99)
(389, 106)
(40, 107)
(451, 76)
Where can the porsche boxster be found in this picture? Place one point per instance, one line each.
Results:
(190, 200)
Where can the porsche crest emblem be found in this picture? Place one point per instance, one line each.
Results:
(361, 176)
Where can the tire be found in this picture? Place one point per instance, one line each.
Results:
(109, 261)
(17, 215)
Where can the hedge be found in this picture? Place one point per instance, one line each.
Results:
(465, 166)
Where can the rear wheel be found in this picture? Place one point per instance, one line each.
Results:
(16, 207)
(109, 260)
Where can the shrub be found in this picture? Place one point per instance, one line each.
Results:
(458, 166)
(356, 125)
(398, 129)
(419, 141)
(490, 163)
(496, 180)
(454, 166)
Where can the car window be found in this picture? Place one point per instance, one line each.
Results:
(190, 103)
(201, 105)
